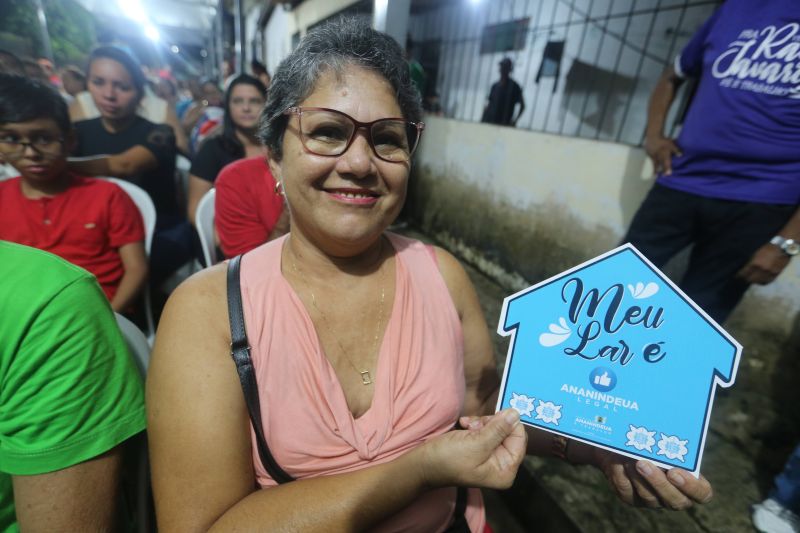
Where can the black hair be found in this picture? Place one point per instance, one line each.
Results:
(332, 47)
(228, 139)
(23, 99)
(123, 58)
(258, 67)
(10, 63)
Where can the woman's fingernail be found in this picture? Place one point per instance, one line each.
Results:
(644, 468)
(511, 416)
(474, 424)
(676, 478)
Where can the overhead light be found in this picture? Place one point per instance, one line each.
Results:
(151, 32)
(133, 10)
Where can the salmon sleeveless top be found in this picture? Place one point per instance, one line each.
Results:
(418, 391)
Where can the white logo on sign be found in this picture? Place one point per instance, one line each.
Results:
(603, 381)
(548, 412)
(522, 403)
(558, 334)
(672, 447)
(641, 291)
(640, 438)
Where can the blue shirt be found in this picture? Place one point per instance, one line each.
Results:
(741, 137)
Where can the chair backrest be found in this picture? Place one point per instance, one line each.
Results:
(146, 208)
(136, 341)
(204, 219)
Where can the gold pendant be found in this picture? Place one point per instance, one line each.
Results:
(365, 377)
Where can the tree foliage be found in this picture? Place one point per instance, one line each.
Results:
(70, 26)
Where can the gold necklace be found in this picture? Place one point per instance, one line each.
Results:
(366, 378)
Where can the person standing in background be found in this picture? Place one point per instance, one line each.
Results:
(503, 98)
(730, 184)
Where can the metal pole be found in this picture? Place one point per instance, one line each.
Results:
(48, 50)
(220, 38)
(239, 30)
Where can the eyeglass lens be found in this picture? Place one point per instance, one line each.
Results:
(44, 144)
(329, 133)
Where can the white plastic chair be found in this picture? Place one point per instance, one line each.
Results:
(140, 348)
(148, 211)
(136, 341)
(204, 219)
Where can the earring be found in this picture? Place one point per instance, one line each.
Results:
(279, 188)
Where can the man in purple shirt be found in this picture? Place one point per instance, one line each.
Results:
(730, 184)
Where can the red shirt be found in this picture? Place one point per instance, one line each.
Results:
(86, 225)
(247, 207)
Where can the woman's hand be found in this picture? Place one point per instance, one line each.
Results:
(487, 457)
(643, 484)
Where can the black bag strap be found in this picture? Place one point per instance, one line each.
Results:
(240, 351)
(459, 523)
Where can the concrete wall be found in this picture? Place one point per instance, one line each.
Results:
(524, 205)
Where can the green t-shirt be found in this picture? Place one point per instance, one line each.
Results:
(69, 389)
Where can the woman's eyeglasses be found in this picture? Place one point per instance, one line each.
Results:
(329, 132)
(14, 147)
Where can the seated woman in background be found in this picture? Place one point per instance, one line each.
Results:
(243, 102)
(367, 347)
(89, 222)
(139, 151)
(151, 107)
(248, 210)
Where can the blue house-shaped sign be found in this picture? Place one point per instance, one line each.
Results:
(612, 353)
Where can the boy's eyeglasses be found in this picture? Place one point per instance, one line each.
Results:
(14, 147)
(329, 132)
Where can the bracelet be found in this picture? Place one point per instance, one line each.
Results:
(558, 447)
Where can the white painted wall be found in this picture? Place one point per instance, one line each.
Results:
(283, 24)
(593, 185)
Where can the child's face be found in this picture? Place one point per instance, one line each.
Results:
(36, 148)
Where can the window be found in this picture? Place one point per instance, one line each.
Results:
(504, 37)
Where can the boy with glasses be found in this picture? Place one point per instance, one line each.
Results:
(89, 222)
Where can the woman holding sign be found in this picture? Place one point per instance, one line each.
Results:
(366, 347)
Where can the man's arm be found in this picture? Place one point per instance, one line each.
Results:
(769, 260)
(74, 395)
(134, 261)
(82, 497)
(658, 147)
(521, 109)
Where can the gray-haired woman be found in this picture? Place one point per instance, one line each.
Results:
(368, 347)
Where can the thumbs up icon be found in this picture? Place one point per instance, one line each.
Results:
(603, 381)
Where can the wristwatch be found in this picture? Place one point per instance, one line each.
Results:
(789, 246)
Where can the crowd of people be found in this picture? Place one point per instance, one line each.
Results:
(362, 387)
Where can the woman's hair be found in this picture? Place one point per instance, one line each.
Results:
(123, 58)
(332, 47)
(23, 99)
(229, 141)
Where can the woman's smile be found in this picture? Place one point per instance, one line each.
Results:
(353, 196)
